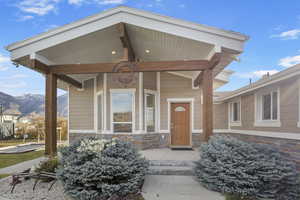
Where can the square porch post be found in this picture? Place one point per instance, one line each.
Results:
(207, 106)
(51, 114)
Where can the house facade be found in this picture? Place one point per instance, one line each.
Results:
(133, 74)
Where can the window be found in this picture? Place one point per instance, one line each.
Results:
(235, 113)
(122, 109)
(269, 106)
(267, 109)
(150, 112)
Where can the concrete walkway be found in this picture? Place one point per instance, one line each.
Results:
(176, 188)
(21, 166)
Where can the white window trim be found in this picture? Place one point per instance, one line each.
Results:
(230, 114)
(99, 93)
(128, 90)
(155, 93)
(259, 122)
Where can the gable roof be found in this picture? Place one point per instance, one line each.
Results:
(265, 81)
(226, 39)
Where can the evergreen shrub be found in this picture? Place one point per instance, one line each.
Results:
(247, 170)
(94, 169)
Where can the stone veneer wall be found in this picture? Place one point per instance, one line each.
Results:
(288, 146)
(141, 141)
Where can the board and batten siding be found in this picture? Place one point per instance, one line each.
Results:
(289, 108)
(172, 86)
(220, 116)
(149, 80)
(82, 107)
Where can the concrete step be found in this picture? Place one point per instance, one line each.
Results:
(174, 163)
(171, 170)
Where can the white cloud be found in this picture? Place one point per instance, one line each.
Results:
(289, 35)
(3, 68)
(25, 18)
(101, 2)
(15, 76)
(38, 7)
(4, 59)
(289, 61)
(256, 74)
(4, 62)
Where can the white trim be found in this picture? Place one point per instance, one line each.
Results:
(68, 114)
(158, 99)
(147, 91)
(197, 32)
(182, 100)
(127, 90)
(95, 105)
(41, 58)
(83, 131)
(230, 110)
(258, 115)
(104, 128)
(180, 74)
(281, 135)
(141, 94)
(272, 79)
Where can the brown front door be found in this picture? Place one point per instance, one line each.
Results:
(180, 124)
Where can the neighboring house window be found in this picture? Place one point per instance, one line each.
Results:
(235, 113)
(122, 111)
(267, 109)
(150, 111)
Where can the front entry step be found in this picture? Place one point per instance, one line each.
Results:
(170, 170)
(171, 167)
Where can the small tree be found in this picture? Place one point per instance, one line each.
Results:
(231, 166)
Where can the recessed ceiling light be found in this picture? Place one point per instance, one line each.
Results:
(113, 52)
(147, 51)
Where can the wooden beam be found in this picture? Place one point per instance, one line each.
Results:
(45, 69)
(212, 63)
(50, 114)
(160, 66)
(207, 106)
(124, 37)
(69, 80)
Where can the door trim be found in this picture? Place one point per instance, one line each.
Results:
(190, 101)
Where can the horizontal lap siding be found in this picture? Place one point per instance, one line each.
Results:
(220, 116)
(82, 107)
(289, 108)
(173, 86)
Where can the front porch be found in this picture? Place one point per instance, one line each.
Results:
(83, 57)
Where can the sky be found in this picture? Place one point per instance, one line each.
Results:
(273, 27)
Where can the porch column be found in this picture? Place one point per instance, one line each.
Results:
(50, 114)
(207, 106)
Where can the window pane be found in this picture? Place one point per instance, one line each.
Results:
(266, 104)
(275, 104)
(122, 107)
(150, 113)
(122, 128)
(235, 111)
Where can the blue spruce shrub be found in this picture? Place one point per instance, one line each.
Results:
(247, 170)
(94, 169)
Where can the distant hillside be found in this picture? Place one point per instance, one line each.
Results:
(30, 103)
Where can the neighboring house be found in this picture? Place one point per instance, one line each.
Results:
(10, 116)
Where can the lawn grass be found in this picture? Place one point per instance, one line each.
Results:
(4, 175)
(12, 159)
(6, 143)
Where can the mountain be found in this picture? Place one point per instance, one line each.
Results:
(32, 103)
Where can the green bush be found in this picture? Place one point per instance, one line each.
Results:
(247, 170)
(98, 169)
